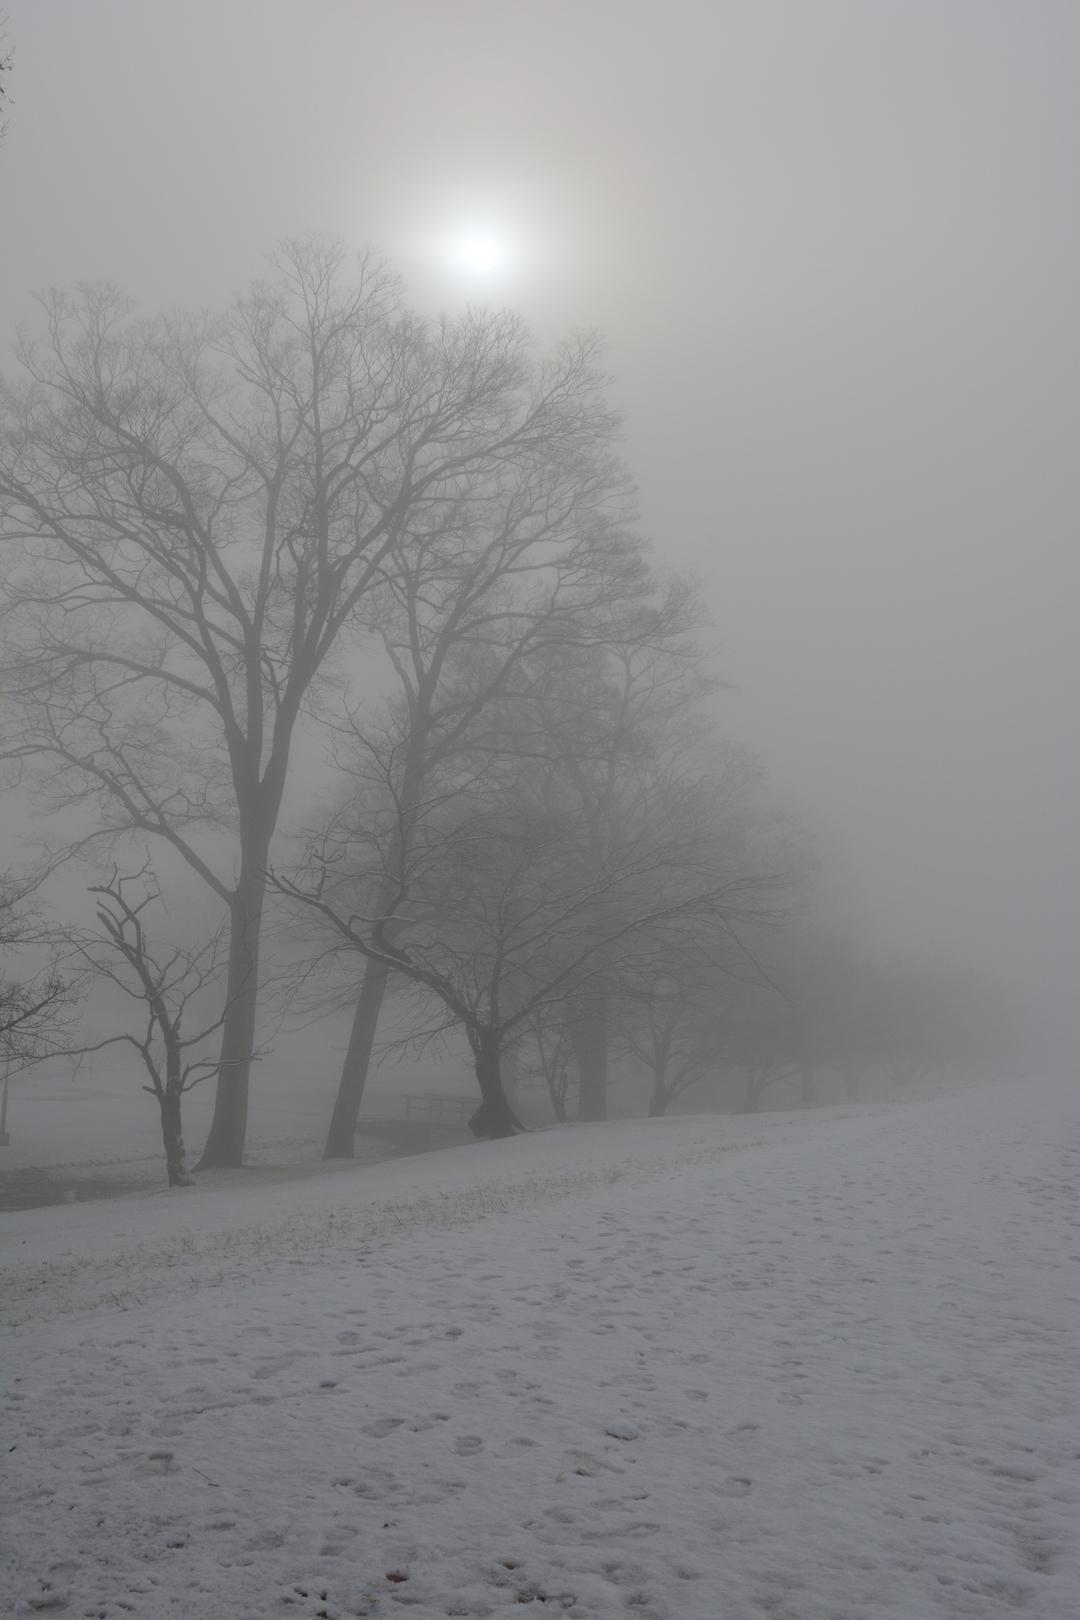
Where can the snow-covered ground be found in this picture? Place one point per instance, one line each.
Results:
(801, 1367)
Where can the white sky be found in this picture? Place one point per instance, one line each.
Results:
(835, 250)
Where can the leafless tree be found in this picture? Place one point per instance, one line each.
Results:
(672, 1034)
(165, 982)
(617, 728)
(546, 1037)
(526, 568)
(36, 1003)
(199, 515)
(498, 909)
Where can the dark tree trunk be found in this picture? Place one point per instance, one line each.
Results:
(341, 1137)
(173, 1138)
(658, 1103)
(558, 1104)
(808, 1085)
(494, 1118)
(224, 1148)
(588, 1031)
(169, 1098)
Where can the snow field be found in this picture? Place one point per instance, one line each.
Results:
(796, 1368)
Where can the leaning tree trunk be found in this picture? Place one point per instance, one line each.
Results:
(224, 1148)
(588, 1030)
(341, 1137)
(494, 1117)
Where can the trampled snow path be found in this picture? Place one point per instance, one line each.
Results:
(824, 1377)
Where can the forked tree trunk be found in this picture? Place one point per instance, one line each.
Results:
(341, 1137)
(494, 1117)
(588, 1030)
(224, 1148)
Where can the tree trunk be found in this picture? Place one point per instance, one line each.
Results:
(808, 1085)
(752, 1095)
(588, 1031)
(494, 1118)
(169, 1103)
(341, 1137)
(173, 1138)
(224, 1148)
(658, 1103)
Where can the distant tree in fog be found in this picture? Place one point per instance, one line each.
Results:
(495, 903)
(672, 1034)
(203, 516)
(549, 1055)
(620, 730)
(930, 1020)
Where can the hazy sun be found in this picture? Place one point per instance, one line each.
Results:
(481, 251)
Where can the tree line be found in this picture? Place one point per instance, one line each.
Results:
(317, 528)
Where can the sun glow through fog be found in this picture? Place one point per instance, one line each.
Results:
(478, 251)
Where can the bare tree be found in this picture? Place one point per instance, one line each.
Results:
(200, 511)
(546, 1035)
(673, 1037)
(617, 728)
(36, 1004)
(165, 982)
(535, 563)
(498, 909)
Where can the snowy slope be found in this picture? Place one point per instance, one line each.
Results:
(797, 1368)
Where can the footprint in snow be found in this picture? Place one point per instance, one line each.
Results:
(622, 1431)
(381, 1427)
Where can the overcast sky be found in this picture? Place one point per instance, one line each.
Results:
(834, 247)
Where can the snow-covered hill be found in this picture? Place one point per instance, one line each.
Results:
(811, 1367)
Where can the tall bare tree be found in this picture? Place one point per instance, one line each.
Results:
(529, 566)
(198, 513)
(620, 728)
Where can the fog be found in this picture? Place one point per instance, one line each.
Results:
(589, 729)
(833, 251)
